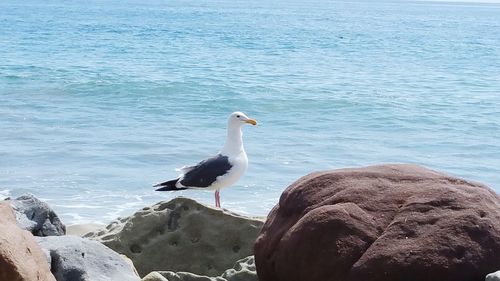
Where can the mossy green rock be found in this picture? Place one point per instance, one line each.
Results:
(182, 235)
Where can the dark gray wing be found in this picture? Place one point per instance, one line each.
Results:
(207, 171)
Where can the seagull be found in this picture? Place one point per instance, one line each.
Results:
(219, 171)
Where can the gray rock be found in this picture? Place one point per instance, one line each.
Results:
(495, 276)
(72, 258)
(182, 235)
(36, 216)
(243, 270)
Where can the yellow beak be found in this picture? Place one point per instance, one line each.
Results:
(251, 121)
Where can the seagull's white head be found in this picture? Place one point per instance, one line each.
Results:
(239, 119)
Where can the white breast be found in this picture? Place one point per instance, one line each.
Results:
(239, 166)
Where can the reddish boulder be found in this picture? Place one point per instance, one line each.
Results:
(381, 223)
(20, 256)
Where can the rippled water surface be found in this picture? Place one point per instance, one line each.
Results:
(99, 100)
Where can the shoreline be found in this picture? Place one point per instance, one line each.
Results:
(83, 228)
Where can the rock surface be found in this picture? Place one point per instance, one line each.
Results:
(74, 258)
(495, 276)
(178, 276)
(386, 222)
(243, 270)
(36, 216)
(182, 235)
(20, 256)
(154, 276)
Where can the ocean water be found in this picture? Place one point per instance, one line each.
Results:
(99, 100)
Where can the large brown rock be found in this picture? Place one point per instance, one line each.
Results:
(381, 223)
(20, 256)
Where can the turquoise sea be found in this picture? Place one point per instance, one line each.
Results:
(99, 100)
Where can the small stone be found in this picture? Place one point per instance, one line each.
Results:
(495, 276)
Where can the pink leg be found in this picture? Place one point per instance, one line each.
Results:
(217, 199)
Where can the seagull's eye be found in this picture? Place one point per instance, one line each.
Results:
(237, 116)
